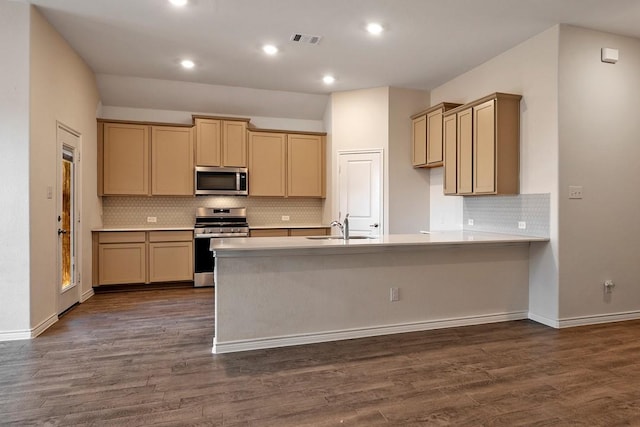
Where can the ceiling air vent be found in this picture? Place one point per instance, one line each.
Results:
(305, 38)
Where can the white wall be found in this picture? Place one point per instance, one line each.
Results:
(63, 89)
(529, 69)
(14, 170)
(408, 187)
(599, 149)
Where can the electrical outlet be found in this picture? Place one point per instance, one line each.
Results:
(152, 219)
(285, 217)
(394, 294)
(575, 191)
(469, 222)
(608, 286)
(522, 225)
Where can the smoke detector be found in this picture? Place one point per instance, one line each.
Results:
(305, 38)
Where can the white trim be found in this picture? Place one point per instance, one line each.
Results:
(44, 325)
(15, 335)
(570, 322)
(347, 334)
(544, 320)
(27, 334)
(86, 295)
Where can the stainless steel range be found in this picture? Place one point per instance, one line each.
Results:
(214, 223)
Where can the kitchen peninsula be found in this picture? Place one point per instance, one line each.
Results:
(273, 292)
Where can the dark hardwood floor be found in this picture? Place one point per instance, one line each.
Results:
(144, 358)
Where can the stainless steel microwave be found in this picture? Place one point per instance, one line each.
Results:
(221, 181)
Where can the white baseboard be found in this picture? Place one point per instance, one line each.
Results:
(15, 335)
(290, 340)
(27, 334)
(86, 295)
(42, 326)
(569, 322)
(544, 320)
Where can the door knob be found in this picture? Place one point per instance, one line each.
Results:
(61, 231)
(374, 225)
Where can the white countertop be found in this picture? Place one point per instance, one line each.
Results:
(264, 246)
(143, 229)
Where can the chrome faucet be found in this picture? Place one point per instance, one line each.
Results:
(344, 227)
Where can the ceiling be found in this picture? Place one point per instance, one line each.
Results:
(425, 42)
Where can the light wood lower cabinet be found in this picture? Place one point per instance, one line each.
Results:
(135, 257)
(286, 232)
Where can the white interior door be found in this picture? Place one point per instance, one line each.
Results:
(360, 191)
(68, 289)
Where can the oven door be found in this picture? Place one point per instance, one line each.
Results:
(204, 262)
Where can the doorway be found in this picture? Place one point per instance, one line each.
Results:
(67, 219)
(360, 182)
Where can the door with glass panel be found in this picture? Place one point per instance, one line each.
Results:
(68, 288)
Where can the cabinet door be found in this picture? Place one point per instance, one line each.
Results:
(465, 151)
(208, 142)
(170, 261)
(121, 263)
(419, 133)
(450, 154)
(434, 138)
(305, 166)
(234, 144)
(267, 164)
(484, 148)
(125, 159)
(172, 161)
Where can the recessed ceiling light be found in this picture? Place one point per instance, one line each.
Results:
(270, 49)
(374, 28)
(178, 3)
(328, 79)
(187, 63)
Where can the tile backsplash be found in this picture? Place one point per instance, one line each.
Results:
(501, 214)
(180, 211)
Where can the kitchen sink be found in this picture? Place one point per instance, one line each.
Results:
(339, 237)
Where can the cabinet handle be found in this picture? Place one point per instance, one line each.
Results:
(374, 225)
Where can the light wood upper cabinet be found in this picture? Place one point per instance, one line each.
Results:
(419, 135)
(286, 165)
(123, 164)
(172, 168)
(450, 141)
(208, 147)
(305, 166)
(427, 136)
(267, 164)
(234, 144)
(488, 145)
(221, 142)
(465, 151)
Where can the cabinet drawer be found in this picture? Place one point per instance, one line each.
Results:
(171, 236)
(308, 232)
(270, 232)
(121, 237)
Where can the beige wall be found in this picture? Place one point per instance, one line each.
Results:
(599, 149)
(408, 187)
(14, 170)
(529, 69)
(63, 89)
(378, 118)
